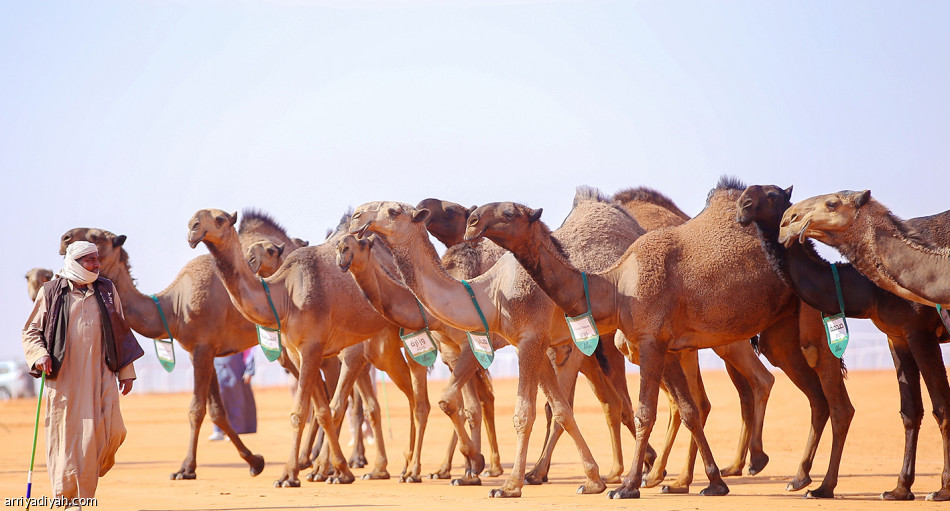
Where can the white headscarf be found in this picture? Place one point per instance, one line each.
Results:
(74, 271)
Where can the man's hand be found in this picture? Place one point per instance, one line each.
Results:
(45, 364)
(125, 386)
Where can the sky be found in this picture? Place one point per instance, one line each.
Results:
(132, 115)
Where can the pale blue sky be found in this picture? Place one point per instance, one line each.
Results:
(131, 115)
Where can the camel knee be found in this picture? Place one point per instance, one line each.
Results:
(295, 420)
(643, 422)
(448, 407)
(912, 418)
(942, 416)
(522, 422)
(811, 356)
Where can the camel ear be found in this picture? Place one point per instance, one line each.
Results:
(534, 215)
(420, 215)
(119, 240)
(233, 218)
(280, 249)
(470, 210)
(301, 243)
(788, 192)
(863, 198)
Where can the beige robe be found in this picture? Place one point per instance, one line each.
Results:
(84, 427)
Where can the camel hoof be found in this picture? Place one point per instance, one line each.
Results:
(494, 471)
(939, 496)
(257, 464)
(533, 479)
(304, 464)
(735, 470)
(623, 493)
(376, 476)
(897, 495)
(341, 479)
(591, 488)
(612, 478)
(316, 477)
(757, 463)
(650, 481)
(409, 479)
(478, 463)
(466, 481)
(796, 485)
(715, 490)
(501, 493)
(287, 483)
(674, 490)
(440, 475)
(818, 494)
(357, 462)
(181, 475)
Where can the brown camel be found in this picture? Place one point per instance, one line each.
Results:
(654, 210)
(35, 278)
(318, 311)
(913, 330)
(660, 310)
(396, 303)
(200, 317)
(880, 245)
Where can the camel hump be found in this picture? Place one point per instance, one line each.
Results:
(730, 183)
(586, 192)
(649, 196)
(256, 220)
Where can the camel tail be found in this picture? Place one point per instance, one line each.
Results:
(755, 344)
(844, 369)
(602, 358)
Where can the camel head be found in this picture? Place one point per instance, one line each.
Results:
(822, 217)
(501, 222)
(35, 279)
(263, 257)
(387, 219)
(352, 252)
(108, 244)
(211, 226)
(446, 220)
(764, 204)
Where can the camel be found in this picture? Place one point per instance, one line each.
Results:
(912, 329)
(446, 222)
(318, 311)
(512, 305)
(199, 315)
(35, 278)
(397, 304)
(676, 289)
(469, 259)
(654, 210)
(878, 244)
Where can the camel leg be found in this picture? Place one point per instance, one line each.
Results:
(658, 471)
(353, 364)
(689, 363)
(832, 383)
(929, 360)
(311, 386)
(486, 396)
(567, 360)
(364, 383)
(203, 361)
(472, 415)
(356, 418)
(465, 368)
(912, 414)
(220, 418)
(612, 405)
(411, 381)
(314, 439)
(754, 383)
(616, 371)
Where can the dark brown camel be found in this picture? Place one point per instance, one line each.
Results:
(658, 310)
(880, 245)
(319, 311)
(913, 330)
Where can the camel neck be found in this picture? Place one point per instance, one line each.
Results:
(390, 298)
(245, 288)
(813, 282)
(880, 250)
(139, 309)
(443, 296)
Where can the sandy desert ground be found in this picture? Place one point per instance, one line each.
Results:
(158, 433)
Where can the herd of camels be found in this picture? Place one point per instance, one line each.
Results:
(657, 284)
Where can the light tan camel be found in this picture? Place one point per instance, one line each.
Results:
(469, 259)
(880, 245)
(200, 317)
(654, 210)
(35, 278)
(320, 311)
(396, 303)
(677, 289)
(513, 306)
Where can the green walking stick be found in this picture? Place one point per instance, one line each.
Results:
(36, 428)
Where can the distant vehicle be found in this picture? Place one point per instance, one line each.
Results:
(15, 380)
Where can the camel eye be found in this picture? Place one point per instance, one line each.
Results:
(393, 213)
(508, 215)
(831, 205)
(772, 195)
(357, 214)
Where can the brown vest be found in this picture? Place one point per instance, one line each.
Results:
(118, 341)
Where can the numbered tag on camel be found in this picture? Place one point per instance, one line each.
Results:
(837, 330)
(165, 351)
(584, 332)
(481, 347)
(421, 346)
(269, 339)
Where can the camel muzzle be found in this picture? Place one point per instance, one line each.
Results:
(194, 242)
